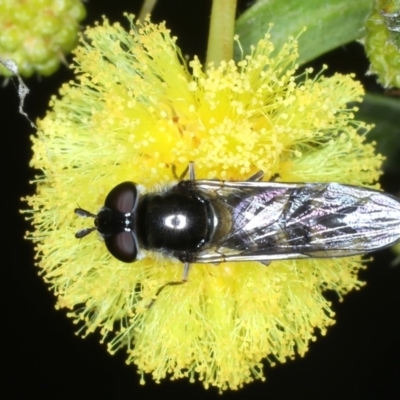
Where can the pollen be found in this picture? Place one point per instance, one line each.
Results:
(137, 111)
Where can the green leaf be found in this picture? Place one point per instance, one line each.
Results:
(330, 23)
(384, 112)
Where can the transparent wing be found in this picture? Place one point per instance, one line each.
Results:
(271, 221)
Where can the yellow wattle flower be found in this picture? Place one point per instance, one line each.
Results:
(134, 110)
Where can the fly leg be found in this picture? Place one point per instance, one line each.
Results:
(189, 168)
(192, 176)
(186, 268)
(258, 176)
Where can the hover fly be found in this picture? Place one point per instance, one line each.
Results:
(213, 221)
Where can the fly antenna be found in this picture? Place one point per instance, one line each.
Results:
(84, 232)
(85, 214)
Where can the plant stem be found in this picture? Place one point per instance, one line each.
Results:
(147, 8)
(220, 38)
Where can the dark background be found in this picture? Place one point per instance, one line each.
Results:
(42, 357)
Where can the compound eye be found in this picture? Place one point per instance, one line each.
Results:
(122, 198)
(123, 246)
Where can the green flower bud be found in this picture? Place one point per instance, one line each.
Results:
(36, 34)
(382, 42)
